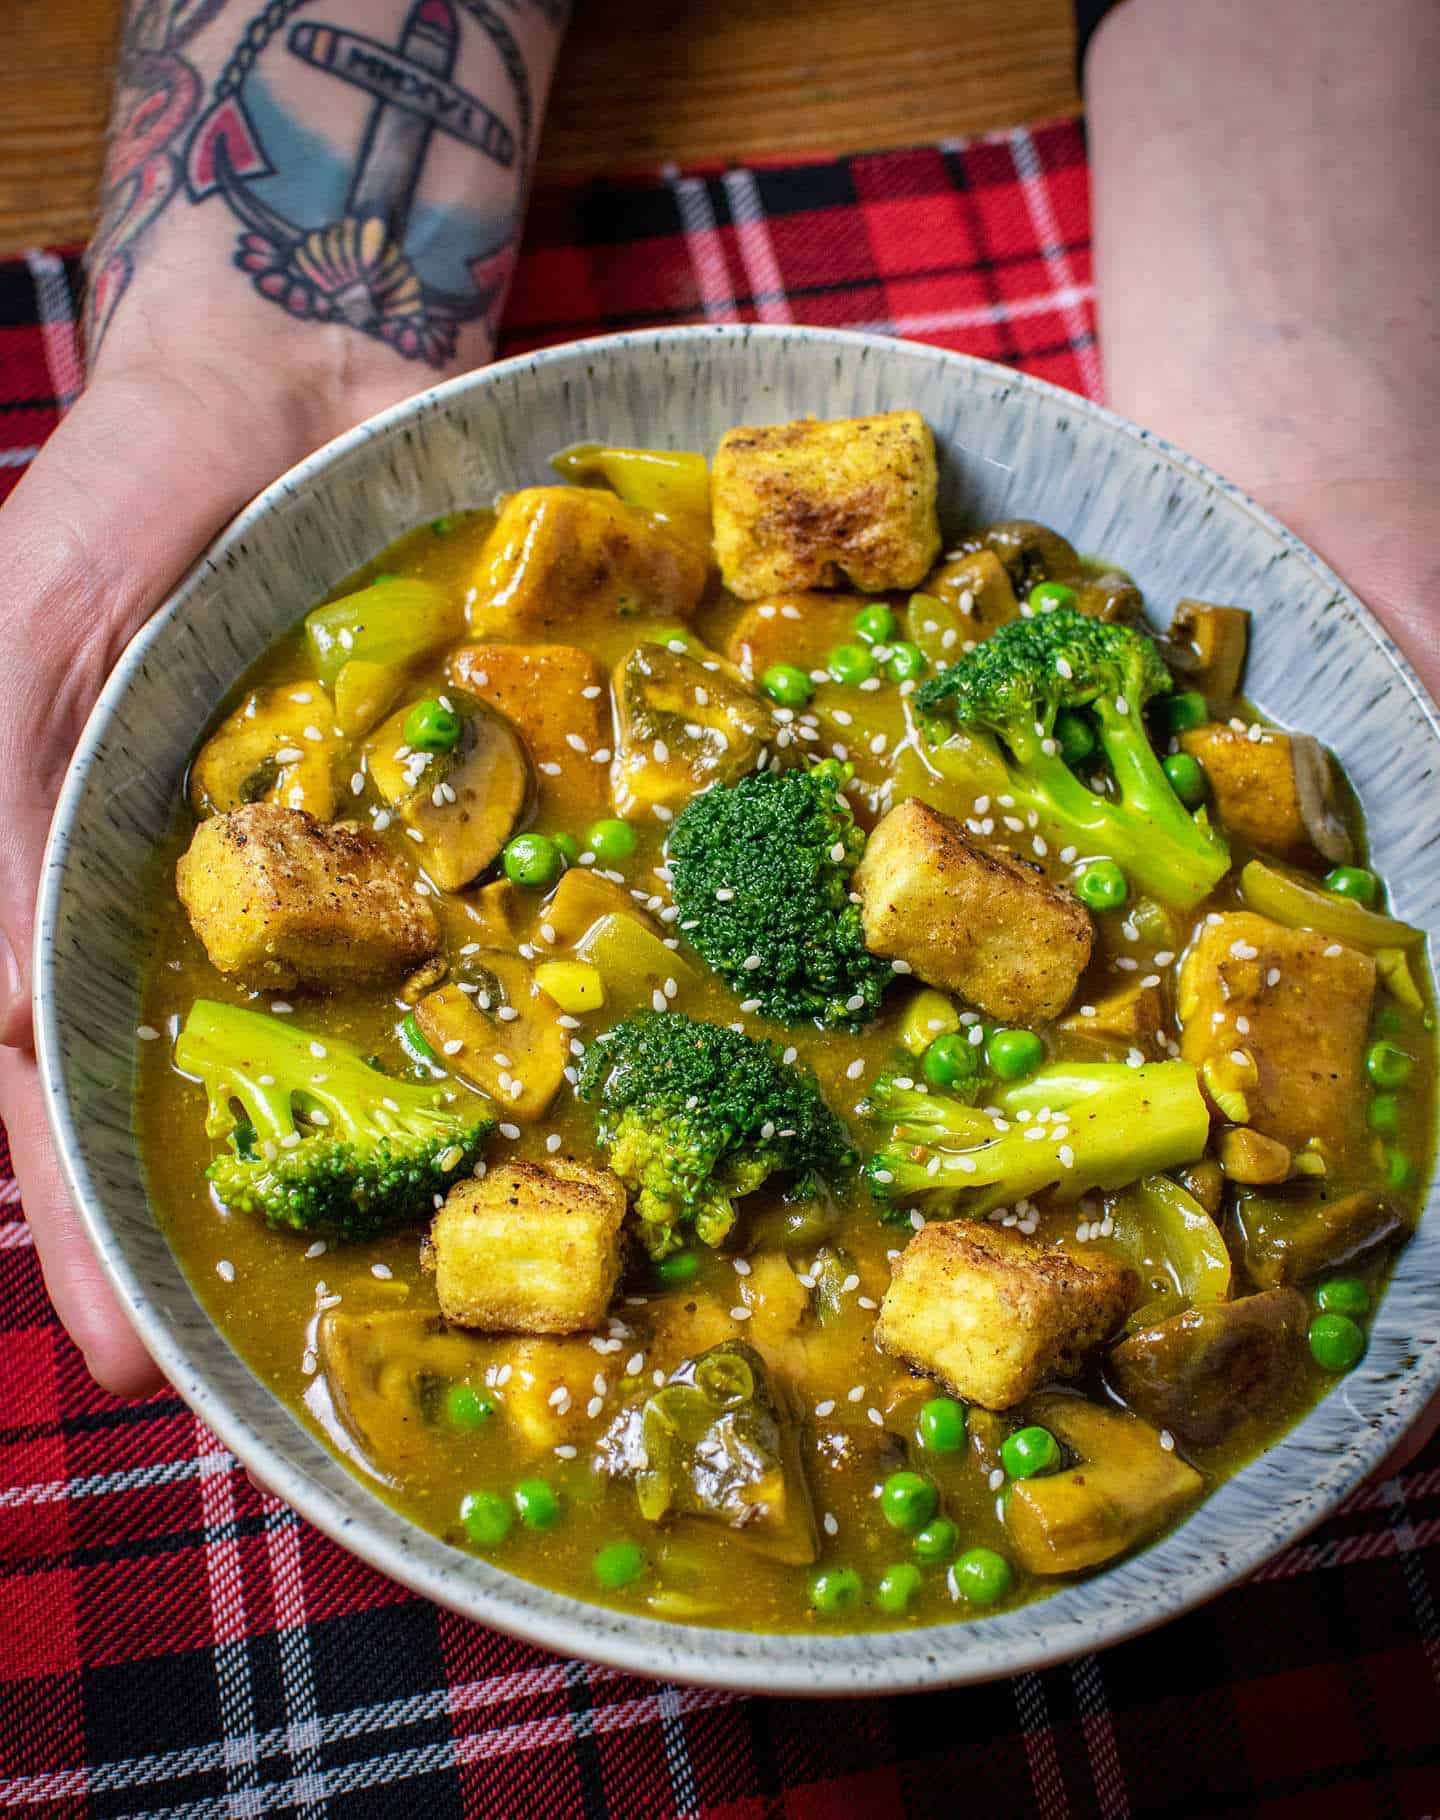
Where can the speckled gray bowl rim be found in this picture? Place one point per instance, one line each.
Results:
(1250, 1519)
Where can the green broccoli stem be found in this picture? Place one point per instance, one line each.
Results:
(268, 1065)
(1179, 859)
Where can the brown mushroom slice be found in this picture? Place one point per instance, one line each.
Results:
(519, 1059)
(1208, 645)
(1112, 597)
(385, 1373)
(1290, 1237)
(963, 600)
(1126, 1486)
(1202, 1373)
(1031, 552)
(1314, 775)
(463, 804)
(279, 746)
(682, 724)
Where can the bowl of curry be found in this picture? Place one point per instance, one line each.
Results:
(757, 1003)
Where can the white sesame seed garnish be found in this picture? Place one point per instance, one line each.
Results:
(855, 1070)
(383, 1271)
(826, 1408)
(996, 1479)
(553, 1142)
(225, 1270)
(830, 1523)
(1167, 1440)
(453, 1046)
(739, 1314)
(509, 1131)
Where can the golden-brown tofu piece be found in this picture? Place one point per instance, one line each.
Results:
(969, 920)
(280, 899)
(992, 1315)
(1281, 1015)
(1277, 791)
(558, 554)
(555, 695)
(814, 505)
(529, 1248)
(800, 629)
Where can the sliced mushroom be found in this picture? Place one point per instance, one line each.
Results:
(1126, 1486)
(1031, 552)
(977, 596)
(385, 1373)
(1249, 1156)
(1200, 1374)
(1290, 1237)
(1112, 596)
(1208, 646)
(278, 746)
(1315, 790)
(471, 1011)
(463, 803)
(682, 725)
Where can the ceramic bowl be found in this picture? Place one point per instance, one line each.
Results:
(1010, 447)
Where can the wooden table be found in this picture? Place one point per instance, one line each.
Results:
(640, 81)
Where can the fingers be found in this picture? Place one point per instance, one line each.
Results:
(77, 1285)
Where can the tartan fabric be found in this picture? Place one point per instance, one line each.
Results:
(173, 1643)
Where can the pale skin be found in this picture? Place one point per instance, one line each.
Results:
(1265, 261)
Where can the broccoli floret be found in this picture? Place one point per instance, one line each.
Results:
(1104, 1125)
(318, 1139)
(1012, 686)
(695, 1116)
(761, 877)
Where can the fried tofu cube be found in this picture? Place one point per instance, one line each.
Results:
(541, 691)
(1279, 1016)
(1277, 791)
(969, 920)
(814, 505)
(558, 554)
(992, 1315)
(800, 629)
(529, 1248)
(279, 899)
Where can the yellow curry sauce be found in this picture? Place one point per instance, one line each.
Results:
(297, 1306)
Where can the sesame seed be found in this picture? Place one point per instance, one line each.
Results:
(855, 1070)
(996, 1479)
(509, 1131)
(1167, 1440)
(826, 1408)
(552, 1143)
(875, 1416)
(1333, 950)
(383, 1271)
(453, 1046)
(855, 1393)
(591, 691)
(225, 1270)
(739, 1314)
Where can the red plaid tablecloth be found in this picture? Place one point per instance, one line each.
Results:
(174, 1644)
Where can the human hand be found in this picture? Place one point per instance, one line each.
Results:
(136, 480)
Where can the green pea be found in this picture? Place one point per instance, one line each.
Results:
(1390, 1021)
(618, 1564)
(850, 664)
(1343, 1295)
(443, 526)
(1186, 710)
(908, 1501)
(569, 847)
(1045, 596)
(1336, 1342)
(1101, 885)
(1399, 1171)
(950, 1061)
(413, 1039)
(874, 624)
(537, 1504)
(941, 1425)
(1029, 1452)
(1355, 882)
(1012, 1054)
(936, 1542)
(1074, 735)
(680, 1267)
(788, 685)
(835, 1591)
(611, 840)
(906, 663)
(1187, 778)
(1383, 1114)
(432, 727)
(896, 1588)
(467, 1408)
(532, 860)
(982, 1576)
(1388, 1065)
(486, 1517)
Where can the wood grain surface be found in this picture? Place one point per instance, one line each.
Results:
(640, 82)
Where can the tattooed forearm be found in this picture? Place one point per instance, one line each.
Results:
(372, 154)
